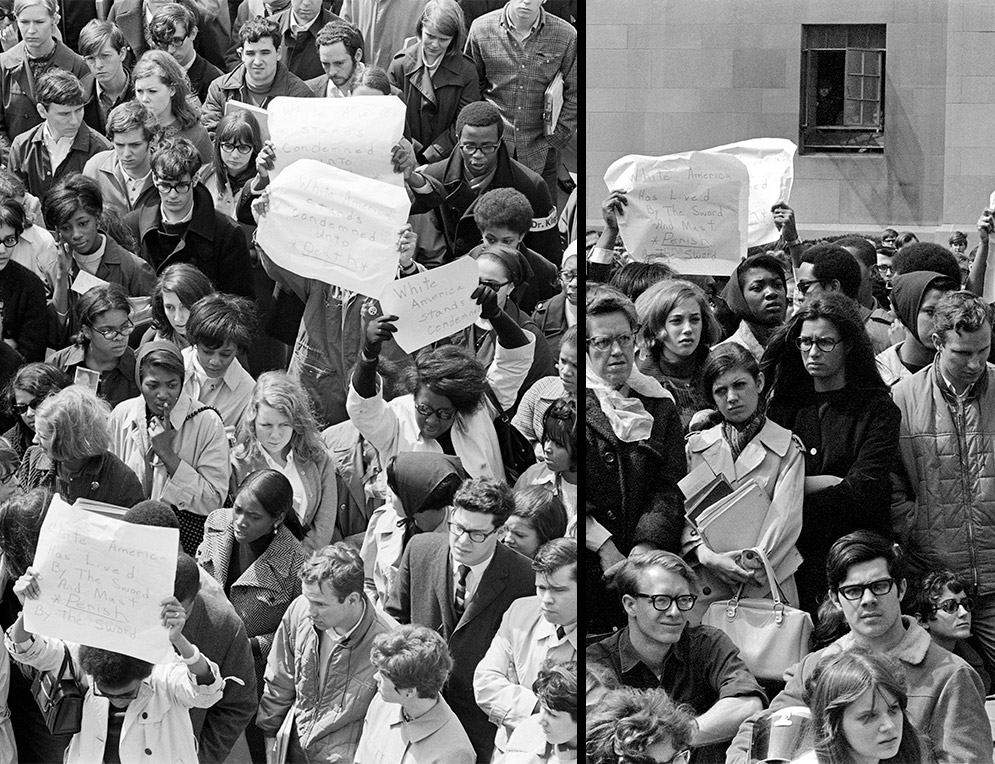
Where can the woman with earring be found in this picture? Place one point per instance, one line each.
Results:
(253, 550)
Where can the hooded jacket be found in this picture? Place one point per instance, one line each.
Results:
(908, 290)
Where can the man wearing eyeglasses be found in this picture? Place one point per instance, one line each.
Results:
(943, 501)
(174, 29)
(179, 224)
(461, 584)
(697, 665)
(480, 162)
(946, 700)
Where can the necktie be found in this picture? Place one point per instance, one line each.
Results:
(560, 633)
(460, 603)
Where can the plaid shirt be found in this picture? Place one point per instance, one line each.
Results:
(514, 76)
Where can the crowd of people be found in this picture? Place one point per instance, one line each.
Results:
(846, 381)
(377, 553)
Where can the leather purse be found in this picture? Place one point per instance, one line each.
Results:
(771, 635)
(60, 698)
(516, 451)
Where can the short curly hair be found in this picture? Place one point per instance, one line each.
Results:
(339, 565)
(451, 372)
(413, 657)
(628, 721)
(486, 496)
(479, 114)
(556, 686)
(503, 208)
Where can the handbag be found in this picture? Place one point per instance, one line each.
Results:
(771, 635)
(516, 451)
(60, 698)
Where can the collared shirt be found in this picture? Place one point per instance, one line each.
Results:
(334, 91)
(134, 186)
(472, 578)
(507, 22)
(570, 311)
(58, 148)
(702, 667)
(115, 385)
(293, 473)
(390, 738)
(297, 27)
(230, 394)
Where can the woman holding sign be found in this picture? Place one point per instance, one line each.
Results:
(178, 448)
(138, 707)
(448, 410)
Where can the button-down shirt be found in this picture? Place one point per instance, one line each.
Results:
(435, 737)
(58, 147)
(293, 473)
(229, 394)
(472, 578)
(516, 74)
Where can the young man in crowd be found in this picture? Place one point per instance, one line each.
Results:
(518, 51)
(946, 701)
(179, 223)
(174, 29)
(480, 162)
(319, 667)
(60, 145)
(299, 26)
(340, 54)
(697, 665)
(260, 77)
(534, 629)
(124, 172)
(942, 505)
(461, 584)
(104, 50)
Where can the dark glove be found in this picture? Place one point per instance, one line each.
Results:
(487, 299)
(378, 331)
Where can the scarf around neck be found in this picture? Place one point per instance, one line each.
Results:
(628, 417)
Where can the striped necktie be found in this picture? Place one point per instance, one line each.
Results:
(459, 605)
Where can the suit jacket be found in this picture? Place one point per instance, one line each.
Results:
(424, 595)
(212, 38)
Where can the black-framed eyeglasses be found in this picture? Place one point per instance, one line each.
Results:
(444, 414)
(165, 188)
(856, 591)
(113, 333)
(22, 408)
(952, 606)
(625, 341)
(241, 148)
(11, 241)
(495, 285)
(115, 695)
(803, 285)
(478, 537)
(884, 270)
(568, 275)
(164, 42)
(825, 344)
(486, 149)
(662, 602)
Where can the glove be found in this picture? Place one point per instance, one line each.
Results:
(378, 331)
(487, 299)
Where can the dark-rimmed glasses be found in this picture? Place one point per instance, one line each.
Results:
(825, 344)
(625, 341)
(952, 606)
(241, 148)
(662, 602)
(478, 537)
(113, 333)
(855, 592)
(22, 408)
(487, 149)
(426, 411)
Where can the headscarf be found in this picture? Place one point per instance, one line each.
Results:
(907, 292)
(629, 419)
(412, 476)
(147, 348)
(733, 292)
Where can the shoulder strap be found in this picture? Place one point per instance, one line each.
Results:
(194, 413)
(493, 399)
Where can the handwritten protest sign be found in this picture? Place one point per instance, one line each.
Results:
(687, 210)
(432, 305)
(327, 224)
(770, 162)
(353, 134)
(102, 582)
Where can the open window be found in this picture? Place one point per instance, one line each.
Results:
(842, 91)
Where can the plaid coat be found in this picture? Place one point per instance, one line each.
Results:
(265, 589)
(514, 76)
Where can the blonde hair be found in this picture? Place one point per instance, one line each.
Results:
(278, 391)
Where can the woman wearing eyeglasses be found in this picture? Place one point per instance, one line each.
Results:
(942, 606)
(100, 357)
(632, 726)
(72, 456)
(31, 385)
(502, 269)
(237, 143)
(279, 432)
(823, 385)
(634, 455)
(162, 87)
